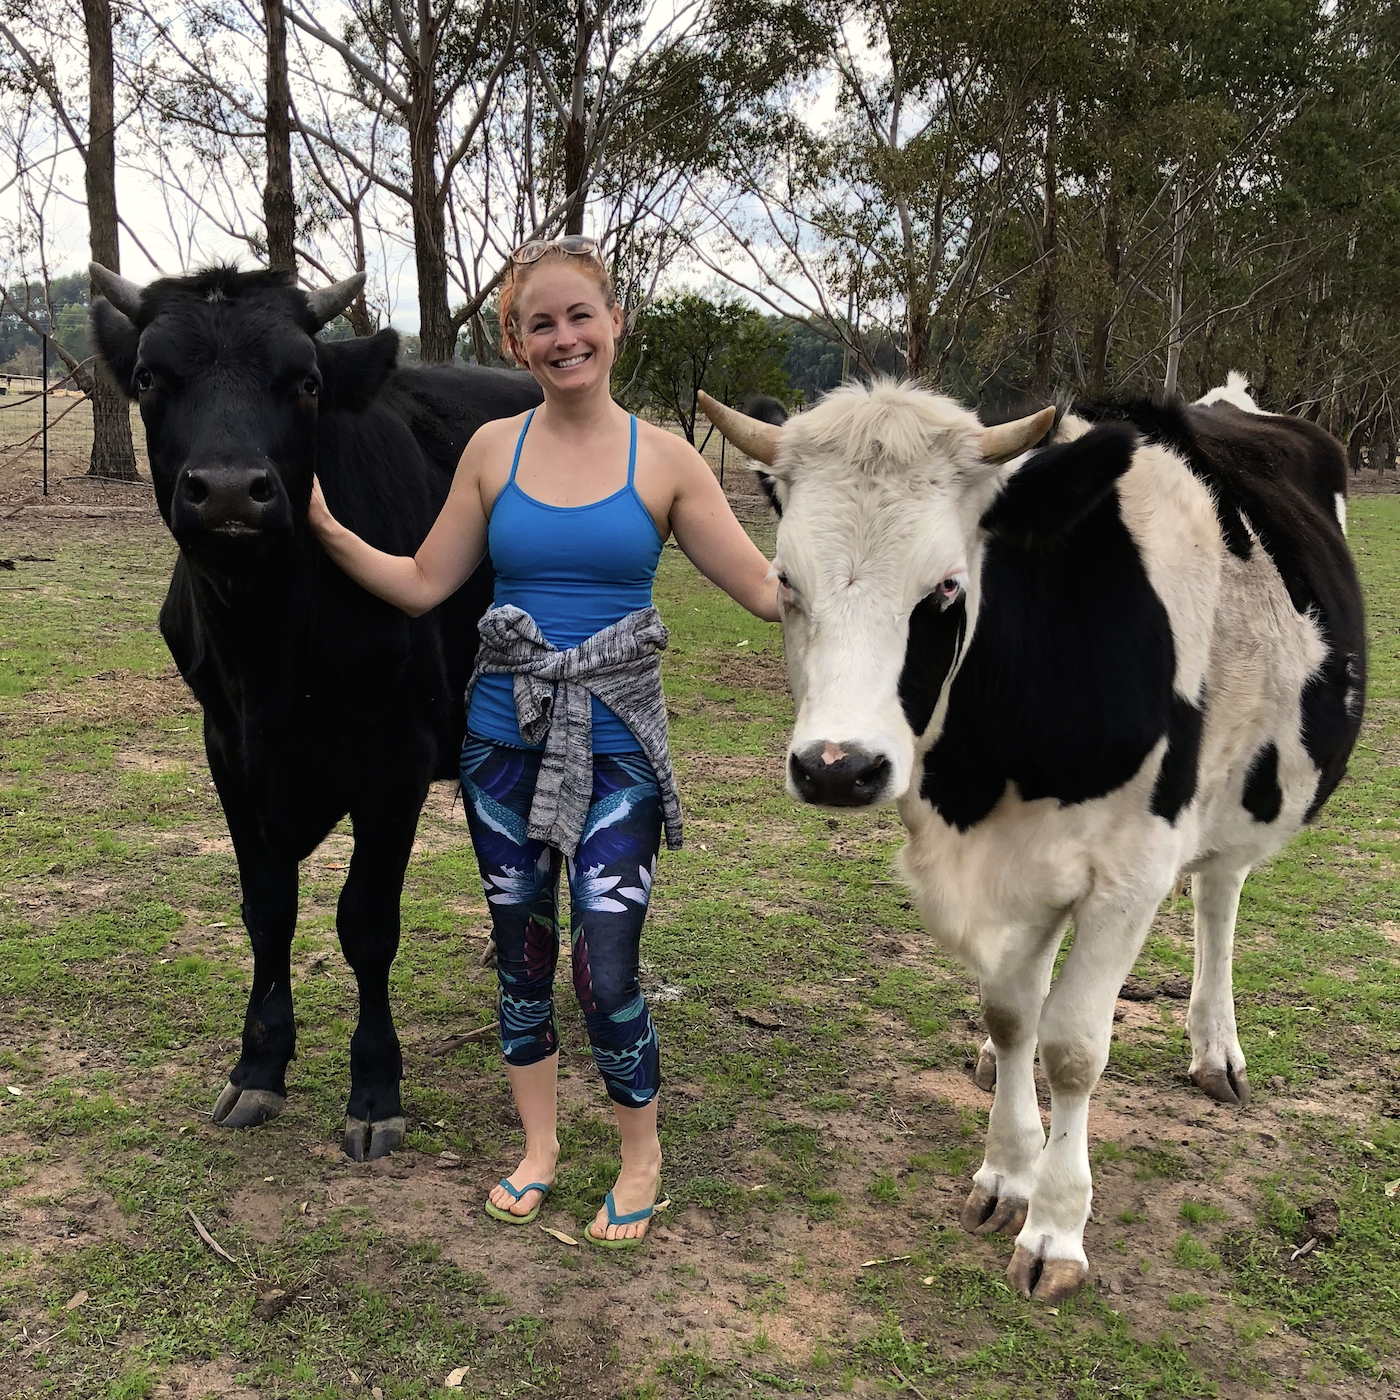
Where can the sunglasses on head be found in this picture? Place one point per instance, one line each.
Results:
(576, 245)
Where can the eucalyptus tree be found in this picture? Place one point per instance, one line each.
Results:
(884, 216)
(436, 68)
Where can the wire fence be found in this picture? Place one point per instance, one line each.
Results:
(47, 428)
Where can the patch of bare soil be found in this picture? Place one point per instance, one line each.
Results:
(733, 767)
(110, 697)
(1373, 483)
(56, 1210)
(211, 1380)
(22, 481)
(754, 670)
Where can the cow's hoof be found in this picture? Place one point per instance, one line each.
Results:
(986, 1214)
(1045, 1280)
(1227, 1085)
(985, 1075)
(246, 1108)
(367, 1142)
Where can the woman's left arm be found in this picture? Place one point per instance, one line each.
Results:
(712, 538)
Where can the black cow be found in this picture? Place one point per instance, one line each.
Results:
(319, 699)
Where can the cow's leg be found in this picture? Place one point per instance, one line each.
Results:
(257, 1084)
(1076, 1026)
(1011, 1001)
(367, 920)
(1217, 1062)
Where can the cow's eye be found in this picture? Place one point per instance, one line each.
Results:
(144, 380)
(951, 588)
(787, 598)
(311, 385)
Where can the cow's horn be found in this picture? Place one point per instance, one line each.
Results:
(329, 302)
(124, 294)
(1008, 440)
(752, 437)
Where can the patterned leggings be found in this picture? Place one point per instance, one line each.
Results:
(609, 886)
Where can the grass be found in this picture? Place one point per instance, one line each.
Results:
(792, 1156)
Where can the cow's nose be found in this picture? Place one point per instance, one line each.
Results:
(230, 498)
(837, 775)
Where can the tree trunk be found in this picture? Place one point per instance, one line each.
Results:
(436, 330)
(1045, 302)
(1169, 384)
(1383, 448)
(279, 206)
(917, 348)
(1354, 445)
(575, 155)
(573, 174)
(357, 313)
(1102, 331)
(112, 454)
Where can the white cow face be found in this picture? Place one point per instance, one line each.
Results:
(880, 491)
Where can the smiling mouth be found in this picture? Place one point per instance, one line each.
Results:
(571, 362)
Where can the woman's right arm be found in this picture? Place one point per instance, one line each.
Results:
(445, 560)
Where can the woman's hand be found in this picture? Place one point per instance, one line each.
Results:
(412, 583)
(318, 516)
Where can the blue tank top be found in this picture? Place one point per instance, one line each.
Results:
(575, 570)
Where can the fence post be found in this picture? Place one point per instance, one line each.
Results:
(44, 409)
(722, 441)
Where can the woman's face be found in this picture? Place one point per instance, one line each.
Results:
(567, 331)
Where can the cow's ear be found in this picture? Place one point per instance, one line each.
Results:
(769, 484)
(1056, 487)
(117, 343)
(354, 371)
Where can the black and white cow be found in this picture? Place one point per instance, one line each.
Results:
(1136, 651)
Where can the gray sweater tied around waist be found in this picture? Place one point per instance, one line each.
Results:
(621, 665)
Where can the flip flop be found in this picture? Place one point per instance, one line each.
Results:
(628, 1242)
(496, 1213)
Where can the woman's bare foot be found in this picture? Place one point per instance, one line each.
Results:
(538, 1165)
(636, 1188)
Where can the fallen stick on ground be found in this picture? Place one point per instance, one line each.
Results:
(209, 1239)
(454, 1042)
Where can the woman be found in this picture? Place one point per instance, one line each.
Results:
(574, 501)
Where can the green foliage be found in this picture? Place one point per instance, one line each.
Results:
(1201, 1212)
(68, 299)
(685, 343)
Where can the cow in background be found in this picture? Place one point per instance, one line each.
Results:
(1079, 670)
(319, 700)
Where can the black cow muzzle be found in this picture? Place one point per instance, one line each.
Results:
(230, 503)
(830, 775)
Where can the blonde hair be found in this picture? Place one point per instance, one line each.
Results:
(519, 274)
